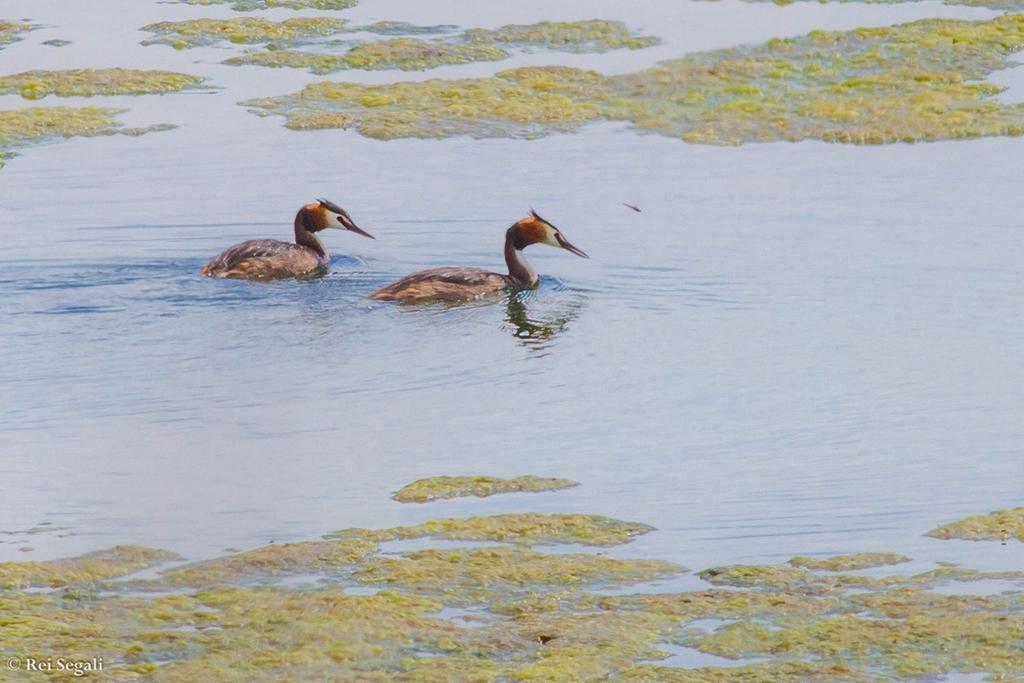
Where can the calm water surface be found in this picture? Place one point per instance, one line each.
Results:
(799, 348)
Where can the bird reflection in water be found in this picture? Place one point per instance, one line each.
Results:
(538, 331)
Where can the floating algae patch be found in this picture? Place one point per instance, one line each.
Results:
(275, 561)
(105, 564)
(128, 634)
(1012, 5)
(529, 528)
(19, 127)
(474, 45)
(774, 577)
(840, 563)
(723, 604)
(406, 54)
(244, 30)
(32, 125)
(785, 579)
(534, 616)
(595, 35)
(930, 643)
(537, 617)
(10, 31)
(775, 672)
(998, 525)
(253, 5)
(345, 550)
(226, 634)
(910, 82)
(489, 107)
(525, 529)
(34, 85)
(404, 28)
(437, 488)
(989, 4)
(479, 575)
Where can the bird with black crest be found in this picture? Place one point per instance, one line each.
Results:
(457, 284)
(267, 259)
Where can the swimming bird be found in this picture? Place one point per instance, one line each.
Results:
(274, 259)
(463, 284)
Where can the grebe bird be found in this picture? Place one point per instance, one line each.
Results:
(274, 259)
(463, 284)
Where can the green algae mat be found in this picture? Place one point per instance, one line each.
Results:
(1001, 525)
(912, 82)
(404, 52)
(988, 4)
(438, 488)
(10, 31)
(190, 33)
(474, 45)
(34, 85)
(244, 30)
(348, 608)
(33, 125)
(253, 5)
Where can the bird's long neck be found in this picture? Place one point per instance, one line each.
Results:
(306, 238)
(518, 269)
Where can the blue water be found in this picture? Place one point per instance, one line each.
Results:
(792, 349)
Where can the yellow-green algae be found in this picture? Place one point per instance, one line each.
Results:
(989, 4)
(243, 30)
(480, 575)
(530, 528)
(841, 563)
(915, 647)
(438, 488)
(105, 564)
(768, 672)
(34, 85)
(474, 45)
(595, 35)
(33, 124)
(499, 614)
(343, 550)
(995, 526)
(404, 28)
(236, 634)
(406, 54)
(22, 127)
(275, 561)
(910, 82)
(253, 5)
(10, 31)
(800, 581)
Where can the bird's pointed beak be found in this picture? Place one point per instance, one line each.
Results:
(359, 231)
(342, 221)
(564, 244)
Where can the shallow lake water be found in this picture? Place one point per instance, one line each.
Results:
(793, 348)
